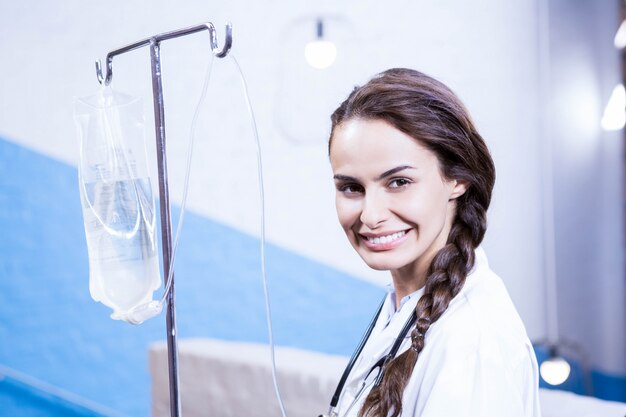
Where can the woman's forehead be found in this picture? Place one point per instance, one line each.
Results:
(375, 143)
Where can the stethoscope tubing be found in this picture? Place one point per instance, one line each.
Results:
(355, 356)
(381, 363)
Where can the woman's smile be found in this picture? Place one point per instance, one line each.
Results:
(384, 241)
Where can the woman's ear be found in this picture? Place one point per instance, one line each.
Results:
(459, 188)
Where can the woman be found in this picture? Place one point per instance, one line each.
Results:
(413, 183)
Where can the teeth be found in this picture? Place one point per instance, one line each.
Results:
(386, 239)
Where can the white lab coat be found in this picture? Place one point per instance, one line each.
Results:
(477, 360)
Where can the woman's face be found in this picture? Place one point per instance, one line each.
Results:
(391, 200)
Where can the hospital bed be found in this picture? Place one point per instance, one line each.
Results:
(230, 379)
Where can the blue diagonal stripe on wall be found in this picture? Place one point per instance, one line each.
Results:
(51, 329)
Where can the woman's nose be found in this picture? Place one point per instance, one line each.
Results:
(374, 211)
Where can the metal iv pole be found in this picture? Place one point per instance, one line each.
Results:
(164, 203)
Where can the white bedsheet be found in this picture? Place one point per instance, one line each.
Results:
(229, 379)
(556, 403)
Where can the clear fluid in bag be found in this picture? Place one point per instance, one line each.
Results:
(119, 211)
(120, 226)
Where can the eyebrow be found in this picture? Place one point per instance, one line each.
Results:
(393, 171)
(384, 175)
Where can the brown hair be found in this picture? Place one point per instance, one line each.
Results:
(430, 112)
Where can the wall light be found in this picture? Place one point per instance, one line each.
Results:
(620, 37)
(566, 364)
(555, 370)
(320, 53)
(614, 116)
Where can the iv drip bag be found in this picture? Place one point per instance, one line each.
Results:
(118, 205)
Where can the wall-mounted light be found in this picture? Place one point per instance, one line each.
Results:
(566, 363)
(620, 36)
(313, 48)
(614, 116)
(320, 53)
(555, 370)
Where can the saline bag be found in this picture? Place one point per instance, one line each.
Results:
(118, 205)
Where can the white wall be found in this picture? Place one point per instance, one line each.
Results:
(486, 50)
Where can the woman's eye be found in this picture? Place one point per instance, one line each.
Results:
(399, 182)
(350, 188)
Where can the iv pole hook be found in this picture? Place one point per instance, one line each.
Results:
(109, 71)
(228, 40)
(105, 79)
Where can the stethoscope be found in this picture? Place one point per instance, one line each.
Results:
(375, 375)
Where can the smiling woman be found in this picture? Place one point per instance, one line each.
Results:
(413, 183)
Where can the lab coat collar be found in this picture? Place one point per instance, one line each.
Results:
(391, 305)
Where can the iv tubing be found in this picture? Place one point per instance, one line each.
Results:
(268, 314)
(268, 310)
(181, 216)
(154, 308)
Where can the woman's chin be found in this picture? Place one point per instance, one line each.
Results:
(378, 267)
(382, 263)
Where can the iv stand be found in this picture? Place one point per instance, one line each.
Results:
(164, 204)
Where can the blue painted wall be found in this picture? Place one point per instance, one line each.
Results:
(52, 330)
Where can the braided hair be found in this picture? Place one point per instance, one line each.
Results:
(432, 114)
